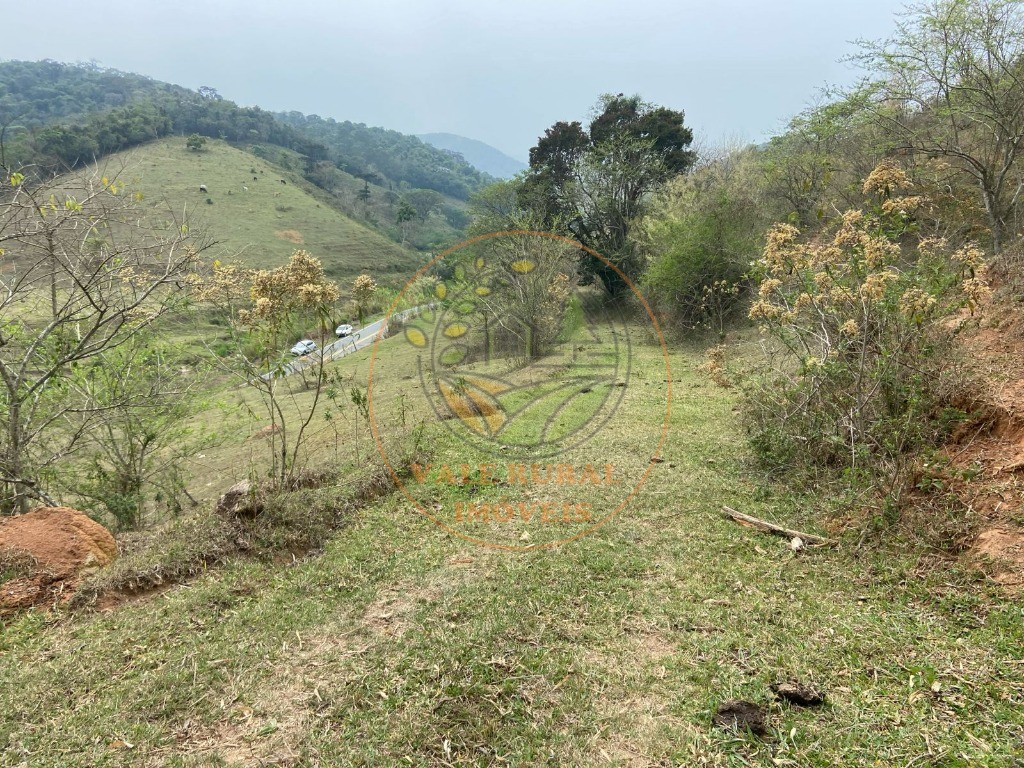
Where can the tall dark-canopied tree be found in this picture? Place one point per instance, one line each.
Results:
(595, 183)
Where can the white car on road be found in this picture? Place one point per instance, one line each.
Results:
(344, 330)
(304, 347)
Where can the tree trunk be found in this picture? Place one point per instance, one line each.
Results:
(14, 456)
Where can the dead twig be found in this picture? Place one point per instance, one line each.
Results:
(763, 525)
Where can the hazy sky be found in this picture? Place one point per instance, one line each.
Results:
(500, 72)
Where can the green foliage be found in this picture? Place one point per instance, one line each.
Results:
(134, 460)
(949, 84)
(364, 194)
(596, 185)
(822, 156)
(701, 236)
(405, 212)
(69, 301)
(423, 201)
(195, 142)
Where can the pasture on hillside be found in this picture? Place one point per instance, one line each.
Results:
(254, 217)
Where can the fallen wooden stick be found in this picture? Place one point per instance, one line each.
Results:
(763, 525)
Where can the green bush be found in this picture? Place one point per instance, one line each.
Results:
(702, 237)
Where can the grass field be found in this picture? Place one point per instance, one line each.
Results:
(259, 221)
(401, 644)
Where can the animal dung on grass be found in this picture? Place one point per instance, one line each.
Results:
(799, 694)
(740, 715)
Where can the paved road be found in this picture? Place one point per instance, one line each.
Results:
(346, 346)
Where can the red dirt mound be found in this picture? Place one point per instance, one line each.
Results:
(61, 543)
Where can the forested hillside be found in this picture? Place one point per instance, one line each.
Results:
(62, 115)
(485, 157)
(362, 150)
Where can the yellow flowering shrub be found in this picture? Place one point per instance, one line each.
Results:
(854, 309)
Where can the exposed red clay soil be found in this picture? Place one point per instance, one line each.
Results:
(990, 449)
(59, 544)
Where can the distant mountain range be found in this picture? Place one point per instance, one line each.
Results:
(482, 156)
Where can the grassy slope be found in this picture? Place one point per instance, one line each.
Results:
(401, 644)
(265, 224)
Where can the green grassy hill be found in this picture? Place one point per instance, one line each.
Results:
(260, 222)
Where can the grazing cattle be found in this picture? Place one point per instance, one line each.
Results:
(245, 188)
(282, 181)
(202, 188)
(254, 178)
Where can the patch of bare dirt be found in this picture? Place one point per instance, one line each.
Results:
(59, 546)
(62, 541)
(270, 724)
(291, 236)
(986, 453)
(391, 613)
(109, 601)
(253, 738)
(267, 431)
(1000, 552)
(646, 719)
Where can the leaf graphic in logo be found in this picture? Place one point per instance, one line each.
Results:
(475, 405)
(522, 266)
(416, 337)
(455, 330)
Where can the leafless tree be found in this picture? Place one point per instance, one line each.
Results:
(84, 268)
(950, 84)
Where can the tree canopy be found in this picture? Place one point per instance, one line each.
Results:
(595, 183)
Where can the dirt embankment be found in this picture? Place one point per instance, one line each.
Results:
(986, 454)
(47, 551)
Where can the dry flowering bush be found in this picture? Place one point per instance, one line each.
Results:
(296, 291)
(714, 366)
(281, 303)
(861, 378)
(222, 287)
(363, 289)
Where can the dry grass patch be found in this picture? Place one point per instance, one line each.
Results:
(290, 235)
